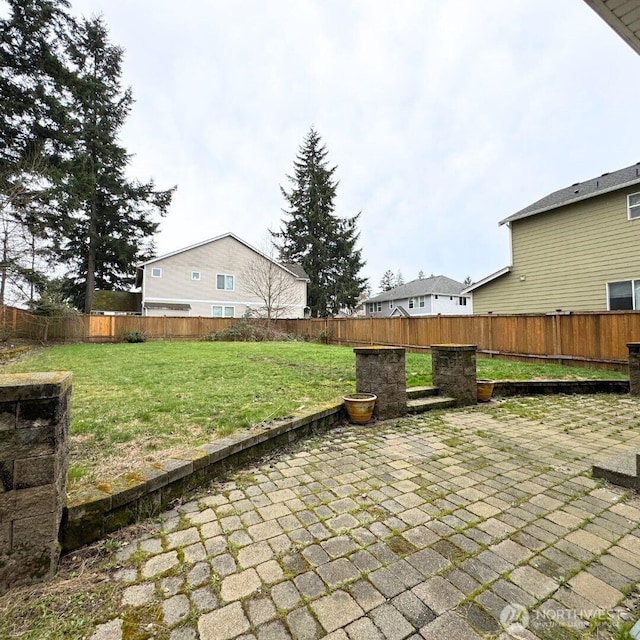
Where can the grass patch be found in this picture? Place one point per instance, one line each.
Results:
(136, 403)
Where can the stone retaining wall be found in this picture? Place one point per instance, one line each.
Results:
(34, 425)
(507, 388)
(100, 510)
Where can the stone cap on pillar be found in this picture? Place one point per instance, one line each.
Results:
(378, 349)
(455, 347)
(633, 346)
(34, 386)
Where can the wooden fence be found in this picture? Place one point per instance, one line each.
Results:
(595, 338)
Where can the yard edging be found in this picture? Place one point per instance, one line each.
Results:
(508, 388)
(106, 507)
(102, 509)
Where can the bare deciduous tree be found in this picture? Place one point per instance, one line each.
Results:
(273, 284)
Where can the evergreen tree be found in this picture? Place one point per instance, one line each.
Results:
(34, 82)
(388, 280)
(421, 275)
(316, 238)
(467, 281)
(35, 98)
(399, 279)
(104, 219)
(61, 112)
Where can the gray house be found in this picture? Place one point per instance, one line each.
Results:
(422, 297)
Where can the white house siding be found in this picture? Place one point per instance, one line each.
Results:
(224, 256)
(450, 305)
(432, 306)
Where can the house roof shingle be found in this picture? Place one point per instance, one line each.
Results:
(421, 287)
(581, 191)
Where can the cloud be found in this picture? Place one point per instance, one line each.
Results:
(443, 116)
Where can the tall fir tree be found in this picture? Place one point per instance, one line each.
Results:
(62, 109)
(313, 236)
(103, 224)
(35, 99)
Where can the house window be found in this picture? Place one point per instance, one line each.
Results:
(196, 275)
(218, 311)
(463, 302)
(421, 301)
(623, 295)
(412, 303)
(633, 206)
(374, 307)
(156, 272)
(390, 304)
(224, 282)
(416, 302)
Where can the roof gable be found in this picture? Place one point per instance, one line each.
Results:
(581, 191)
(294, 269)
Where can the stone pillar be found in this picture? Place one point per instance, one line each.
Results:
(454, 372)
(634, 368)
(34, 425)
(381, 370)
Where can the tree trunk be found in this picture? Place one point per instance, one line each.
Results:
(91, 261)
(5, 263)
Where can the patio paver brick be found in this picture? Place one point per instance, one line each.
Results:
(393, 532)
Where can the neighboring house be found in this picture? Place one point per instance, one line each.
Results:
(422, 297)
(576, 249)
(222, 277)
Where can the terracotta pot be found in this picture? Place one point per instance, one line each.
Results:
(359, 406)
(485, 390)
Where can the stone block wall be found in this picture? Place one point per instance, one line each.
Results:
(454, 372)
(34, 425)
(634, 368)
(382, 370)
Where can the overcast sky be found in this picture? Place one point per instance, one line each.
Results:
(442, 116)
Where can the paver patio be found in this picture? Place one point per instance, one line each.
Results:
(466, 524)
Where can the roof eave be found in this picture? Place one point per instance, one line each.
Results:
(489, 278)
(528, 214)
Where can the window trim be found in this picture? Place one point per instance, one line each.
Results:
(225, 276)
(634, 282)
(198, 273)
(156, 275)
(635, 207)
(223, 311)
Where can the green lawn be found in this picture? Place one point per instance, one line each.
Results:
(132, 403)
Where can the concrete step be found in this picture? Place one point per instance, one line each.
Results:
(420, 405)
(422, 392)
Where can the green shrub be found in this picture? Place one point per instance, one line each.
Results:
(134, 336)
(252, 331)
